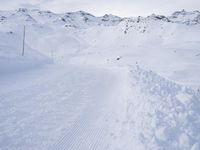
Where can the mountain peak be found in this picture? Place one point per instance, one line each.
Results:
(184, 12)
(22, 10)
(159, 17)
(186, 17)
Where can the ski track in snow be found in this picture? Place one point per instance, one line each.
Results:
(65, 111)
(75, 107)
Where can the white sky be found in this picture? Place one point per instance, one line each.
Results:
(101, 7)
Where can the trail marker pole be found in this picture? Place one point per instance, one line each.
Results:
(24, 34)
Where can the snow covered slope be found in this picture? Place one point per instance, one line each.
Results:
(113, 83)
(11, 59)
(160, 114)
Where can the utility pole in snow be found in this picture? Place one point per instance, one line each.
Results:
(24, 34)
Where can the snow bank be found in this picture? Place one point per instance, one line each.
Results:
(161, 114)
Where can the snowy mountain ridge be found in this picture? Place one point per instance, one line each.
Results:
(186, 17)
(84, 19)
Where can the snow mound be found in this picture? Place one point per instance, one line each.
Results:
(162, 115)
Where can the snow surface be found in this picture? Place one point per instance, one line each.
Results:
(107, 82)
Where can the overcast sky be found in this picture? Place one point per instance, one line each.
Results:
(122, 8)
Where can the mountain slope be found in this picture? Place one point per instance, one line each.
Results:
(106, 82)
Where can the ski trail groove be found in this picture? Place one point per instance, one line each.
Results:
(91, 130)
(65, 110)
